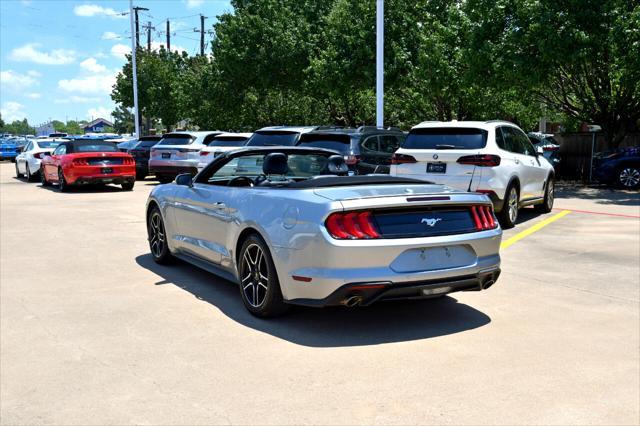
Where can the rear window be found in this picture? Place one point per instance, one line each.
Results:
(340, 143)
(446, 138)
(176, 140)
(271, 138)
(48, 144)
(147, 143)
(228, 141)
(96, 147)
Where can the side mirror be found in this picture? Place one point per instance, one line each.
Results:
(539, 150)
(185, 179)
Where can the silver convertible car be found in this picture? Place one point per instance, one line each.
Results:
(291, 227)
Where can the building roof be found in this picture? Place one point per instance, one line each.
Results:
(98, 120)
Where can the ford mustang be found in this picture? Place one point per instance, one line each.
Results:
(88, 162)
(289, 226)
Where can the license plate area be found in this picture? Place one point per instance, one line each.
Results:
(166, 155)
(106, 170)
(437, 290)
(436, 167)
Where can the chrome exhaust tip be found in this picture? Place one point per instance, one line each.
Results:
(352, 301)
(488, 283)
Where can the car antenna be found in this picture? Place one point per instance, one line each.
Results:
(472, 175)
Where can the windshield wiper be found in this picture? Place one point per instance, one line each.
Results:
(445, 146)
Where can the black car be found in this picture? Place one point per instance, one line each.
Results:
(141, 153)
(366, 150)
(621, 168)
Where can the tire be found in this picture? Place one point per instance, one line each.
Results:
(260, 288)
(509, 213)
(43, 178)
(164, 179)
(549, 197)
(29, 175)
(157, 237)
(128, 186)
(18, 174)
(63, 186)
(628, 177)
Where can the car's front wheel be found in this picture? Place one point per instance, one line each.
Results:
(629, 177)
(158, 238)
(509, 213)
(259, 285)
(549, 195)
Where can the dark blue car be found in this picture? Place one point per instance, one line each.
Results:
(621, 168)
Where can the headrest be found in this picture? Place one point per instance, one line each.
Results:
(336, 166)
(275, 164)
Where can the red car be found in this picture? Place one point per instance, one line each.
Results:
(88, 162)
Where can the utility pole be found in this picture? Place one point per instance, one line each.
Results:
(148, 27)
(134, 46)
(135, 11)
(168, 37)
(201, 31)
(380, 63)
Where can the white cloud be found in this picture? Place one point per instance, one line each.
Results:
(30, 53)
(110, 35)
(13, 81)
(90, 10)
(74, 99)
(120, 50)
(33, 95)
(192, 4)
(12, 111)
(25, 2)
(90, 85)
(34, 73)
(91, 65)
(100, 112)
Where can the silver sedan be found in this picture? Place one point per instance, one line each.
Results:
(291, 227)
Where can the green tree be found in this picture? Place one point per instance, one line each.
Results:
(123, 120)
(1, 122)
(579, 58)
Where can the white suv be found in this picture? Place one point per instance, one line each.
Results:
(178, 152)
(492, 157)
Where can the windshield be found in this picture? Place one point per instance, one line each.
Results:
(446, 138)
(48, 144)
(229, 141)
(273, 138)
(96, 147)
(340, 143)
(176, 140)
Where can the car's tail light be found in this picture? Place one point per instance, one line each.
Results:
(129, 161)
(482, 160)
(402, 159)
(351, 160)
(80, 162)
(352, 226)
(483, 217)
(40, 155)
(203, 153)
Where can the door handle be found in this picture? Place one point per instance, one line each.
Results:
(517, 161)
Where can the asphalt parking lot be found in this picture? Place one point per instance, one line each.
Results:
(93, 332)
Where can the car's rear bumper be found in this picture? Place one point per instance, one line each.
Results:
(319, 272)
(8, 155)
(172, 168)
(92, 180)
(363, 294)
(81, 175)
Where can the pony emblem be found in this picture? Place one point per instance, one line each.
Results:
(430, 221)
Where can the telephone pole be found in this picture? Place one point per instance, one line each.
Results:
(201, 31)
(168, 37)
(134, 42)
(135, 11)
(148, 27)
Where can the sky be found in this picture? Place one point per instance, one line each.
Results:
(59, 58)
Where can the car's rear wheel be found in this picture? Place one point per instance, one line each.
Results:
(18, 174)
(128, 186)
(29, 175)
(158, 238)
(549, 195)
(629, 177)
(259, 285)
(509, 213)
(43, 178)
(63, 186)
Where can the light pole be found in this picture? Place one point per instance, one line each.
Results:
(380, 63)
(134, 70)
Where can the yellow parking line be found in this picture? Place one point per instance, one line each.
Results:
(534, 228)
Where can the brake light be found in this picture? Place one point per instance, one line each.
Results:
(352, 226)
(402, 159)
(40, 155)
(351, 160)
(484, 160)
(129, 161)
(203, 153)
(80, 162)
(483, 217)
